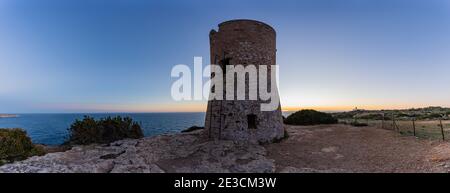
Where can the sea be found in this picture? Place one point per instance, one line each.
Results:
(52, 129)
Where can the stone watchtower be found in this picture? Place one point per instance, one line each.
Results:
(243, 42)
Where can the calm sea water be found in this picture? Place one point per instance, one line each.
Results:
(51, 129)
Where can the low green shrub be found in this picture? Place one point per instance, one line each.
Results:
(105, 130)
(310, 117)
(359, 124)
(16, 145)
(431, 116)
(375, 116)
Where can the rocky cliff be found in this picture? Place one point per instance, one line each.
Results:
(186, 152)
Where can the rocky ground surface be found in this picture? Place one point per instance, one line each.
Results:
(343, 148)
(332, 148)
(185, 152)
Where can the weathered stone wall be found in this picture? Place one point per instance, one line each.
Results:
(243, 42)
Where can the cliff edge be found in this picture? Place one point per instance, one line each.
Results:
(184, 152)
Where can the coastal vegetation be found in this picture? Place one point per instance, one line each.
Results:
(105, 130)
(359, 124)
(15, 145)
(427, 123)
(428, 113)
(310, 117)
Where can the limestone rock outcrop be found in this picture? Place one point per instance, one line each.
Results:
(186, 152)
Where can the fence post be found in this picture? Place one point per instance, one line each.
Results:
(393, 121)
(382, 122)
(442, 129)
(394, 124)
(414, 126)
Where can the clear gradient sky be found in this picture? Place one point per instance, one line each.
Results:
(116, 56)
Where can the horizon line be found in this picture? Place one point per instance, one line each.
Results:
(283, 109)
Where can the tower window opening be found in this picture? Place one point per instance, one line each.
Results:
(251, 121)
(224, 63)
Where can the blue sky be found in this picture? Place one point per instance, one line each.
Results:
(104, 56)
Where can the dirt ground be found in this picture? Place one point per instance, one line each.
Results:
(343, 148)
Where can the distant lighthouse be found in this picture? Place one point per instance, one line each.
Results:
(243, 42)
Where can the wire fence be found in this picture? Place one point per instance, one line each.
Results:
(426, 129)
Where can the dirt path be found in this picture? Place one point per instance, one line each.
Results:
(342, 148)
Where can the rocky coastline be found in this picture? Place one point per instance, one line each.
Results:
(181, 153)
(308, 149)
(8, 116)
